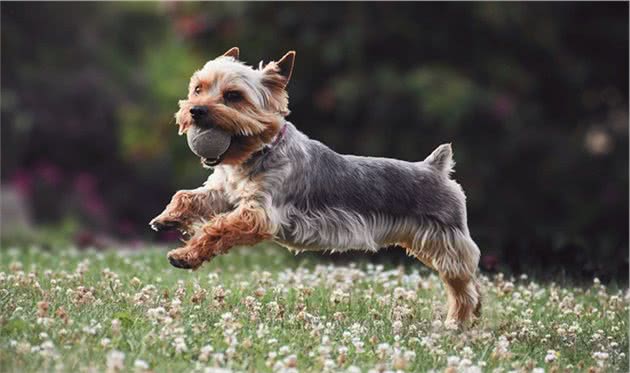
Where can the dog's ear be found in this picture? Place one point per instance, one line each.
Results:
(233, 52)
(279, 72)
(285, 65)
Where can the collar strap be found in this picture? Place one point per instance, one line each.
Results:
(279, 136)
(267, 148)
(275, 141)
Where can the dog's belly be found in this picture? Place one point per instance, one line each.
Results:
(338, 230)
(296, 247)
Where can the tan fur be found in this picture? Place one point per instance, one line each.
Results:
(247, 225)
(456, 266)
(188, 206)
(185, 206)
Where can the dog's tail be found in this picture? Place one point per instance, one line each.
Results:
(442, 159)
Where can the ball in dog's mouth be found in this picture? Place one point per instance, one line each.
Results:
(208, 143)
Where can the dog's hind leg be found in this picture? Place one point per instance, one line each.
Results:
(455, 256)
(457, 264)
(464, 299)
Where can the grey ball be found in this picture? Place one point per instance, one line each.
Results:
(209, 143)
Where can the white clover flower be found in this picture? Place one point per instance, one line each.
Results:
(452, 361)
(218, 358)
(278, 366)
(501, 350)
(451, 325)
(284, 350)
(436, 324)
(135, 282)
(467, 352)
(329, 365)
(409, 355)
(22, 347)
(227, 317)
(205, 352)
(399, 293)
(383, 350)
(291, 361)
(45, 321)
(551, 356)
(115, 326)
(156, 314)
(471, 369)
(140, 365)
(115, 361)
(92, 330)
(47, 349)
(180, 345)
(358, 344)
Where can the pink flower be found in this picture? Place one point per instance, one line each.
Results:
(85, 183)
(50, 173)
(22, 181)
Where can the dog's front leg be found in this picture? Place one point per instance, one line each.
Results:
(247, 224)
(188, 206)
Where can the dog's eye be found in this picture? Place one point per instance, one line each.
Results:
(232, 96)
(197, 89)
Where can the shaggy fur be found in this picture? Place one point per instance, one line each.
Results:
(274, 183)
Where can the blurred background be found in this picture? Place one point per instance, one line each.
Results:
(533, 96)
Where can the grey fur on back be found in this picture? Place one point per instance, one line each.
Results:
(324, 200)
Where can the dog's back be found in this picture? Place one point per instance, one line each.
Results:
(359, 202)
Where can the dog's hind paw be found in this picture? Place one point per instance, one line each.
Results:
(185, 259)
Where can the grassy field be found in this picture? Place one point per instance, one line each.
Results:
(262, 309)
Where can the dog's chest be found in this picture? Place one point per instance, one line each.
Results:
(236, 185)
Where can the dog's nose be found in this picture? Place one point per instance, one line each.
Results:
(198, 112)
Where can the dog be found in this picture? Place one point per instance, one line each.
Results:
(275, 183)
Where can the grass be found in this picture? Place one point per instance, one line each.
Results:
(262, 309)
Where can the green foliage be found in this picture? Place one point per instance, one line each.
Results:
(443, 95)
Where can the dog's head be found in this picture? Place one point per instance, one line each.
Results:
(250, 104)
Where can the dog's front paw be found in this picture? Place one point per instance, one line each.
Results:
(160, 224)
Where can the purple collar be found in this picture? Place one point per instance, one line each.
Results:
(268, 148)
(279, 136)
